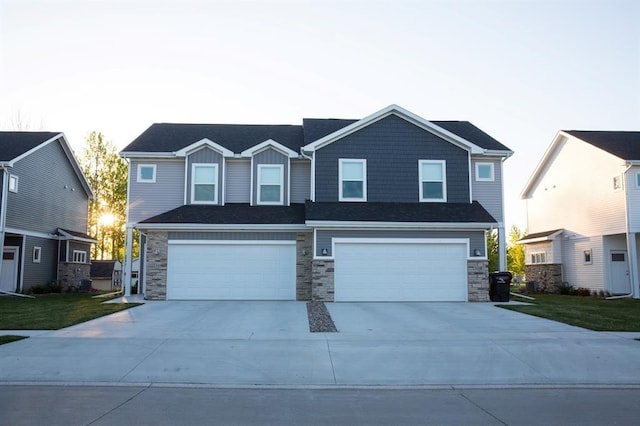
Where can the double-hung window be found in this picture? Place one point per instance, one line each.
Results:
(270, 184)
(204, 184)
(433, 180)
(353, 180)
(13, 183)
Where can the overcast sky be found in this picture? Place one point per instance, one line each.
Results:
(519, 70)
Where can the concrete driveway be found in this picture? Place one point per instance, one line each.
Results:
(268, 343)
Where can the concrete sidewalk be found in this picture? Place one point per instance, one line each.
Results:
(268, 343)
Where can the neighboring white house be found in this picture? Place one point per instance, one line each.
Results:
(583, 213)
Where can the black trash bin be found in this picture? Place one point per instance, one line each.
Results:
(499, 286)
(85, 285)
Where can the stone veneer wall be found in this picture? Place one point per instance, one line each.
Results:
(548, 277)
(322, 288)
(156, 263)
(70, 274)
(304, 254)
(478, 280)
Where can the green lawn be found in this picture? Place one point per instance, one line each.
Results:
(593, 313)
(53, 311)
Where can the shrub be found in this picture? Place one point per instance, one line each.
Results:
(583, 291)
(566, 288)
(52, 287)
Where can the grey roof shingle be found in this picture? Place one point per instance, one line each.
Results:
(622, 144)
(102, 268)
(232, 214)
(14, 144)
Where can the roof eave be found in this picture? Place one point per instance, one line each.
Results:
(221, 227)
(400, 225)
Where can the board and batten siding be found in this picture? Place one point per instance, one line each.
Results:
(50, 194)
(324, 237)
(575, 191)
(150, 199)
(238, 181)
(271, 156)
(300, 181)
(205, 155)
(488, 193)
(392, 147)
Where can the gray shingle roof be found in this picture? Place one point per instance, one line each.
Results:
(232, 214)
(623, 144)
(14, 144)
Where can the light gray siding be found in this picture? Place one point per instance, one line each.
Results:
(49, 196)
(392, 148)
(300, 181)
(238, 181)
(271, 156)
(488, 193)
(44, 272)
(150, 199)
(209, 156)
(233, 236)
(324, 237)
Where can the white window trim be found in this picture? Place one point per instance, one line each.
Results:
(193, 182)
(139, 173)
(444, 180)
(37, 254)
(341, 161)
(14, 187)
(258, 186)
(489, 179)
(638, 180)
(542, 258)
(621, 182)
(81, 254)
(584, 257)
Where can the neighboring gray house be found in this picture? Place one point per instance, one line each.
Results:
(583, 213)
(43, 212)
(391, 207)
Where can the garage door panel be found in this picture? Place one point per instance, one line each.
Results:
(400, 271)
(260, 271)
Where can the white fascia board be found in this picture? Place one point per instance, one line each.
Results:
(439, 226)
(533, 179)
(550, 237)
(67, 236)
(249, 152)
(204, 142)
(31, 233)
(402, 113)
(232, 242)
(220, 227)
(498, 153)
(144, 154)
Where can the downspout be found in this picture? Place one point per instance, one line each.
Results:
(3, 209)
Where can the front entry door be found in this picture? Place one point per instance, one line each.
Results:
(620, 283)
(9, 271)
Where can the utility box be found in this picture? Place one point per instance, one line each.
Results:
(500, 286)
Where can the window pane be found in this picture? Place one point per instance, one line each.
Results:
(432, 190)
(432, 172)
(205, 174)
(484, 171)
(352, 171)
(638, 180)
(146, 173)
(270, 193)
(204, 192)
(351, 189)
(270, 175)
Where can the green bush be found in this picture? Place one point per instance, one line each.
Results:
(583, 291)
(566, 288)
(52, 287)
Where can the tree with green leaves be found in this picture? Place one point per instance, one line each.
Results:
(107, 175)
(492, 250)
(515, 251)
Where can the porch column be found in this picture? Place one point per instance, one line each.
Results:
(502, 249)
(632, 249)
(128, 260)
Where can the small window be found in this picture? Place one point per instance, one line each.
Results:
(484, 172)
(433, 185)
(79, 256)
(587, 257)
(617, 183)
(204, 184)
(37, 253)
(540, 257)
(13, 183)
(147, 173)
(617, 257)
(270, 186)
(638, 180)
(353, 180)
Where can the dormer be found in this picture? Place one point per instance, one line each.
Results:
(270, 172)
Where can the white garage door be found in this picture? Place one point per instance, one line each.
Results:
(264, 270)
(399, 271)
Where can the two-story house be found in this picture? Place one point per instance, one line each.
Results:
(391, 207)
(583, 213)
(43, 212)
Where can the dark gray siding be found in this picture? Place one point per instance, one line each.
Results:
(324, 237)
(44, 272)
(10, 241)
(232, 236)
(205, 155)
(238, 181)
(392, 148)
(300, 181)
(49, 196)
(489, 194)
(270, 156)
(149, 199)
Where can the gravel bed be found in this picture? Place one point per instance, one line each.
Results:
(319, 318)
